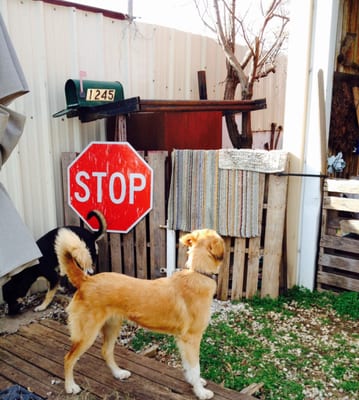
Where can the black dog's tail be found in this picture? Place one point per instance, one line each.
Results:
(102, 223)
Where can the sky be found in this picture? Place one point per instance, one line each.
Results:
(179, 14)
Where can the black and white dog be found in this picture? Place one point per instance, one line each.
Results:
(47, 268)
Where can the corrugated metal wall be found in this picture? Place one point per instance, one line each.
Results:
(53, 44)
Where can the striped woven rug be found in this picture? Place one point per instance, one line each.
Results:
(202, 195)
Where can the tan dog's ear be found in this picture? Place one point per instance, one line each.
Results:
(188, 239)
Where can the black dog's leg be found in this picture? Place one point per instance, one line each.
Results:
(13, 290)
(13, 308)
(53, 279)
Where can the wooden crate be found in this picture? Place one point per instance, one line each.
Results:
(251, 265)
(338, 261)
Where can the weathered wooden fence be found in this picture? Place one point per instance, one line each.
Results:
(251, 265)
(338, 263)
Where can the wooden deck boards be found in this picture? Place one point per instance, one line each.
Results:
(33, 357)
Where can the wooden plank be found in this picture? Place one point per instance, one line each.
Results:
(341, 204)
(103, 261)
(253, 267)
(323, 232)
(128, 243)
(202, 105)
(342, 185)
(140, 243)
(277, 198)
(5, 383)
(116, 252)
(157, 217)
(254, 246)
(342, 244)
(223, 276)
(338, 281)
(141, 249)
(239, 256)
(70, 217)
(252, 388)
(339, 262)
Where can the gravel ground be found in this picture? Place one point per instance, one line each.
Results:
(309, 346)
(319, 333)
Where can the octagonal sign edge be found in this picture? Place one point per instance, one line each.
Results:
(113, 178)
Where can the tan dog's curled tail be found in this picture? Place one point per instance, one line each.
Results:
(73, 256)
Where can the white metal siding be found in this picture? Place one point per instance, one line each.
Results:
(53, 44)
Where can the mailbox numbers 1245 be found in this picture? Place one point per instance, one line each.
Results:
(100, 94)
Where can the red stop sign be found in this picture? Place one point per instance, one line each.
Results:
(113, 178)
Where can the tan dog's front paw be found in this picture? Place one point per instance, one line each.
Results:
(72, 388)
(121, 374)
(202, 393)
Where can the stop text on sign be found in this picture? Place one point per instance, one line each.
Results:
(120, 188)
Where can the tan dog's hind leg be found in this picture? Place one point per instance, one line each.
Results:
(78, 348)
(189, 350)
(110, 332)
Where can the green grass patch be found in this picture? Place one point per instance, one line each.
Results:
(346, 304)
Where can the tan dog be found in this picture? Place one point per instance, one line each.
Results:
(178, 305)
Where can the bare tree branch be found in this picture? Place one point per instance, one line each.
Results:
(225, 43)
(263, 39)
(203, 14)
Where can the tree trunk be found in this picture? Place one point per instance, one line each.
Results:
(247, 138)
(238, 140)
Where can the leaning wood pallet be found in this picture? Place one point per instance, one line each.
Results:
(338, 263)
(251, 265)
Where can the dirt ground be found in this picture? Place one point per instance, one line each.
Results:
(56, 311)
